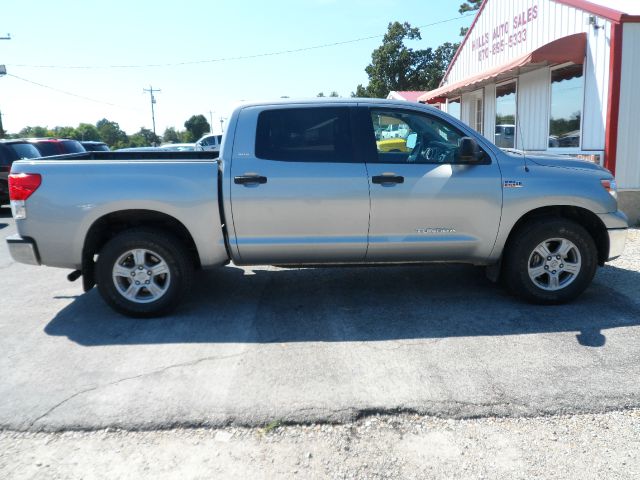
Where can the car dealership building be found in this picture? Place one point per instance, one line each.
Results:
(557, 76)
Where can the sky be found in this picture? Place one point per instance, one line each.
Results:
(119, 45)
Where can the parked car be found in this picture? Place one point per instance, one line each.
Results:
(179, 147)
(10, 151)
(56, 146)
(304, 184)
(91, 146)
(209, 143)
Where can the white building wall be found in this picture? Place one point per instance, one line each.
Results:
(533, 110)
(490, 111)
(628, 152)
(552, 21)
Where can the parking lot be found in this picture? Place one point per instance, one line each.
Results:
(253, 346)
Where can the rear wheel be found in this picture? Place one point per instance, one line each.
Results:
(143, 273)
(550, 261)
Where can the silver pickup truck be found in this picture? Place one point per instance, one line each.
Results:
(311, 183)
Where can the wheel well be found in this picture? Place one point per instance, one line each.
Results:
(107, 227)
(587, 219)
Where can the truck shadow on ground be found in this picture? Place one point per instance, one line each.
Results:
(351, 304)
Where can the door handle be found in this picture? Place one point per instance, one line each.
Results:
(249, 179)
(385, 179)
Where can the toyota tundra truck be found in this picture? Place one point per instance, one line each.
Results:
(304, 183)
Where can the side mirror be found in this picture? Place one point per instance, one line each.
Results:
(412, 140)
(468, 150)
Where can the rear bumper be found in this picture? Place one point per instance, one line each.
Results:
(617, 239)
(23, 250)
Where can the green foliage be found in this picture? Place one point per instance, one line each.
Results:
(87, 132)
(197, 126)
(35, 132)
(111, 134)
(469, 6)
(144, 138)
(170, 135)
(394, 66)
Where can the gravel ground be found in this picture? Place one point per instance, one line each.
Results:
(602, 446)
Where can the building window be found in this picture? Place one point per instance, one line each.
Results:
(567, 96)
(505, 136)
(479, 115)
(453, 107)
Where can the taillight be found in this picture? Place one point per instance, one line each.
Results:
(22, 185)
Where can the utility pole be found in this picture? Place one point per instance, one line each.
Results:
(153, 100)
(210, 121)
(3, 71)
(221, 126)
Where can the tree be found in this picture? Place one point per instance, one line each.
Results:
(143, 138)
(64, 132)
(468, 6)
(87, 132)
(170, 136)
(394, 66)
(197, 126)
(111, 134)
(35, 132)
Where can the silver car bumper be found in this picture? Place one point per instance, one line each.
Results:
(23, 250)
(617, 239)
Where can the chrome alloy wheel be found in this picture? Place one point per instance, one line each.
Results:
(554, 264)
(141, 276)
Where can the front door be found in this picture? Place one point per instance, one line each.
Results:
(427, 202)
(298, 192)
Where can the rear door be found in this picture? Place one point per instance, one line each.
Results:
(299, 192)
(427, 203)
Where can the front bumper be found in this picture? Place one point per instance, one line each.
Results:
(23, 250)
(617, 239)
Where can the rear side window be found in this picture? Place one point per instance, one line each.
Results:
(304, 135)
(48, 148)
(219, 137)
(24, 150)
(71, 146)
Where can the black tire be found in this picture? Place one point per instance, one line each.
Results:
(520, 255)
(158, 245)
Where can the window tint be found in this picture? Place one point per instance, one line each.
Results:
(219, 137)
(47, 148)
(436, 141)
(567, 86)
(304, 135)
(24, 150)
(72, 146)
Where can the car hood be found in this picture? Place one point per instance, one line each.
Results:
(562, 161)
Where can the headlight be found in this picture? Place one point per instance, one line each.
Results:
(610, 186)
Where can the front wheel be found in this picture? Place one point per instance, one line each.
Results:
(143, 273)
(550, 261)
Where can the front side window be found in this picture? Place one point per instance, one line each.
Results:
(421, 138)
(505, 135)
(567, 94)
(305, 135)
(25, 150)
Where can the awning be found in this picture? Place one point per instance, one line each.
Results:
(565, 49)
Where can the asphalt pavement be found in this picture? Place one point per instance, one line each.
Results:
(256, 345)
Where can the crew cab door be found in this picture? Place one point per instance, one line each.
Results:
(299, 194)
(426, 202)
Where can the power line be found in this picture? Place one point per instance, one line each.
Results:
(68, 93)
(242, 57)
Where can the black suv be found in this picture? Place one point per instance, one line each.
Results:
(10, 151)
